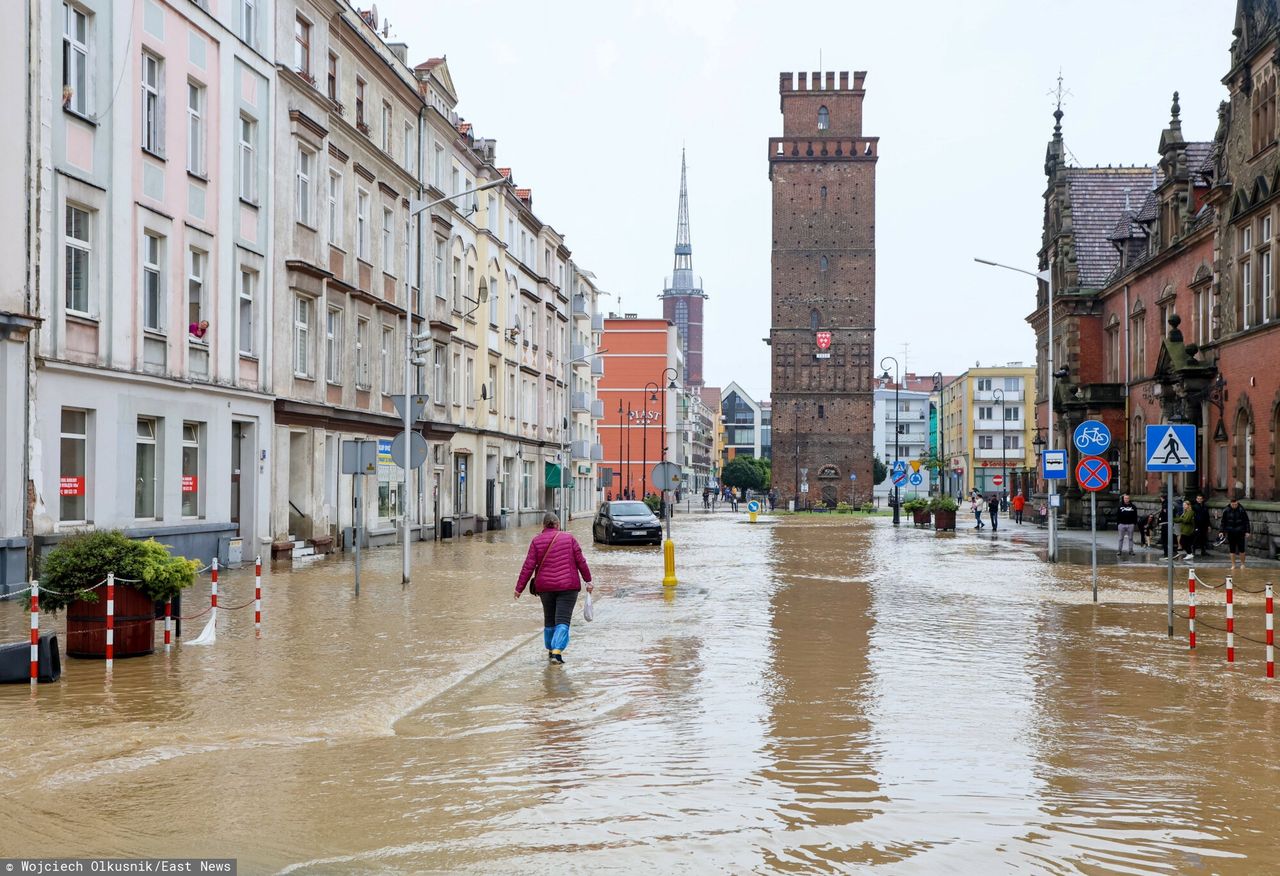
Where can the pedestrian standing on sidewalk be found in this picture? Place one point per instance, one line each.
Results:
(1235, 526)
(976, 509)
(1201, 543)
(993, 511)
(1186, 529)
(1126, 519)
(552, 569)
(1019, 502)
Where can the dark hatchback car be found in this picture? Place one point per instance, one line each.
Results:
(626, 523)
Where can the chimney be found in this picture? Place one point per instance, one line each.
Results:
(401, 51)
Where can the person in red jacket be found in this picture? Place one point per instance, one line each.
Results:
(554, 564)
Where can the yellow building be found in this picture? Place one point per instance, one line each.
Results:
(989, 429)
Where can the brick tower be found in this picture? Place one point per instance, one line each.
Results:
(824, 284)
(683, 296)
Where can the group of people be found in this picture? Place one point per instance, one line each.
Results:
(1194, 524)
(994, 504)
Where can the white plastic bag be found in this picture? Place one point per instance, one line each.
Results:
(588, 610)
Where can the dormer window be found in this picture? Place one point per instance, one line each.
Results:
(824, 119)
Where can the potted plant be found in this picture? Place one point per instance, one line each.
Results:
(69, 575)
(919, 508)
(944, 513)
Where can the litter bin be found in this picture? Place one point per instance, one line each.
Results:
(446, 528)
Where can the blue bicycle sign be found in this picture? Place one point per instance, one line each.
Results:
(1092, 438)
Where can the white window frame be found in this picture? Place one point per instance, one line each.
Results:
(247, 139)
(305, 172)
(83, 438)
(196, 432)
(333, 81)
(152, 275)
(249, 21)
(333, 345)
(440, 283)
(76, 68)
(82, 249)
(362, 354)
(195, 127)
(1246, 289)
(362, 224)
(197, 265)
(150, 440)
(245, 297)
(387, 346)
(408, 146)
(1264, 261)
(439, 375)
(335, 208)
(302, 28)
(387, 122)
(388, 241)
(302, 307)
(152, 78)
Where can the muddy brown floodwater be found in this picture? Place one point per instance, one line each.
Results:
(821, 695)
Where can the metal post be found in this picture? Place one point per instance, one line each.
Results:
(619, 486)
(1169, 546)
(644, 454)
(1093, 532)
(357, 528)
(1053, 485)
(408, 414)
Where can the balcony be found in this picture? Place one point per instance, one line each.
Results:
(994, 425)
(597, 452)
(597, 322)
(597, 367)
(579, 352)
(989, 395)
(1013, 456)
(581, 403)
(580, 450)
(597, 409)
(580, 306)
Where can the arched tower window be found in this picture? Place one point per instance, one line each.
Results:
(824, 193)
(824, 119)
(813, 319)
(822, 264)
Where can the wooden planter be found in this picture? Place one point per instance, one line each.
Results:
(944, 521)
(921, 517)
(135, 622)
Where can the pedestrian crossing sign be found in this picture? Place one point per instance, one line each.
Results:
(1171, 447)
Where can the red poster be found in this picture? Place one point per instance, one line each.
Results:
(71, 487)
(189, 483)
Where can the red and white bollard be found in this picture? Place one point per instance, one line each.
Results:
(213, 593)
(257, 596)
(1231, 621)
(1191, 607)
(168, 624)
(35, 633)
(1271, 637)
(111, 620)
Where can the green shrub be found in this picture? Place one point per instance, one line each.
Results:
(915, 503)
(844, 507)
(867, 508)
(943, 503)
(654, 502)
(84, 559)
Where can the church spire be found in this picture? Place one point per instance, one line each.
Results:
(682, 273)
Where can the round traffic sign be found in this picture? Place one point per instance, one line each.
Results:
(1092, 438)
(899, 478)
(1093, 474)
(916, 479)
(998, 480)
(753, 506)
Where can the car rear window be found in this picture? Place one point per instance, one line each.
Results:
(630, 509)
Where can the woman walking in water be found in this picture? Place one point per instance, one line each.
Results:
(552, 570)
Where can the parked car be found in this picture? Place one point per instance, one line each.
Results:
(626, 523)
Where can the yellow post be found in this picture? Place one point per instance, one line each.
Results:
(752, 515)
(669, 563)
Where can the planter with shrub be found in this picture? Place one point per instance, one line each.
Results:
(944, 513)
(919, 509)
(70, 572)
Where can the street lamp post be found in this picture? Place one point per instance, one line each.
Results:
(416, 208)
(620, 422)
(652, 395)
(942, 466)
(566, 445)
(897, 498)
(998, 395)
(1051, 486)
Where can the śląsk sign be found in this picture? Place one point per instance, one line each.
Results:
(822, 340)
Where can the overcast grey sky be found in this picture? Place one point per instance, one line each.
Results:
(591, 101)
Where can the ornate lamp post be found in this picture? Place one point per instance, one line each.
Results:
(651, 389)
(942, 467)
(998, 395)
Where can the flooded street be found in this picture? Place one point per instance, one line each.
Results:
(821, 695)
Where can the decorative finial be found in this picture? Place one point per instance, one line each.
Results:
(1175, 109)
(1058, 94)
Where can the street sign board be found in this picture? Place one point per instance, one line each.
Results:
(753, 506)
(359, 457)
(1054, 465)
(998, 480)
(899, 466)
(916, 479)
(899, 478)
(1171, 447)
(1093, 474)
(419, 403)
(1092, 438)
(804, 486)
(417, 449)
(666, 476)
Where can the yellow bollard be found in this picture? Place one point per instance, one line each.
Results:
(752, 515)
(669, 563)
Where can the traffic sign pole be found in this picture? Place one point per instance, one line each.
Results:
(1093, 532)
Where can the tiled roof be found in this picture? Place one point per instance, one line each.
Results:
(1197, 157)
(430, 64)
(505, 171)
(1097, 200)
(1127, 227)
(464, 127)
(1150, 208)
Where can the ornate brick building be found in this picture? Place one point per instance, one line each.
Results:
(823, 324)
(1164, 291)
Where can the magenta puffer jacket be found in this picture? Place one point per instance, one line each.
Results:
(560, 568)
